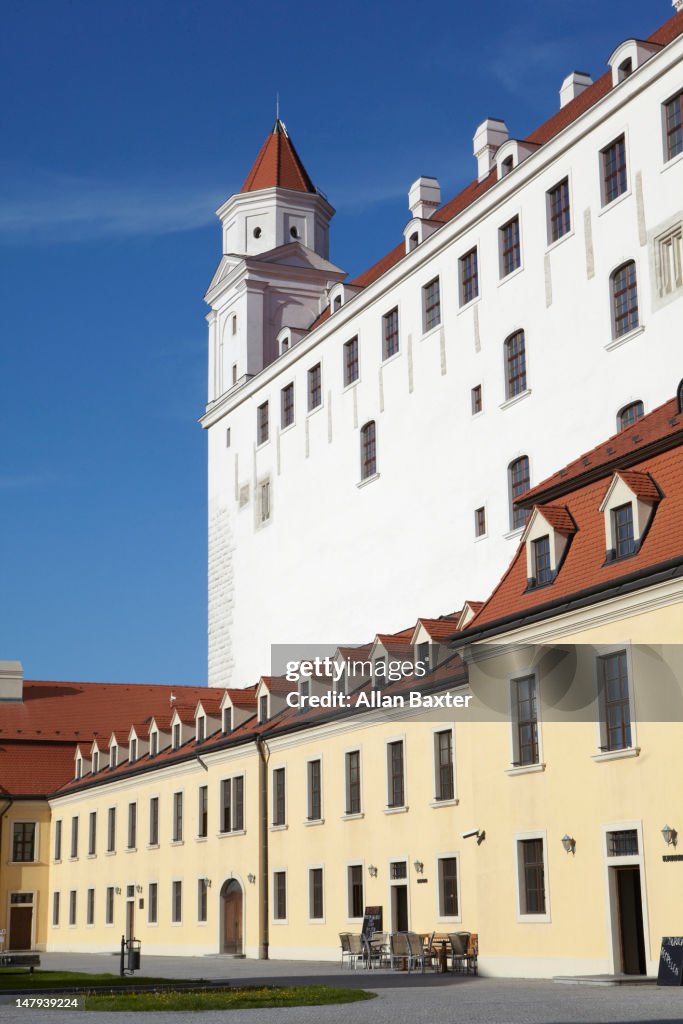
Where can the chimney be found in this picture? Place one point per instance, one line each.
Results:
(490, 134)
(677, 5)
(573, 86)
(424, 197)
(11, 681)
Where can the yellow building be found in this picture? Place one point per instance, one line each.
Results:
(507, 770)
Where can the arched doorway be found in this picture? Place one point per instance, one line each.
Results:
(231, 917)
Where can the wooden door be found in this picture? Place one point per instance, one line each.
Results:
(231, 897)
(20, 924)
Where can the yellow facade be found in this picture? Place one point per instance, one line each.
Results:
(601, 801)
(24, 873)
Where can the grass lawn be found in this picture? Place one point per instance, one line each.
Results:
(15, 978)
(228, 999)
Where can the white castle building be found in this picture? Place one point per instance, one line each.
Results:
(366, 437)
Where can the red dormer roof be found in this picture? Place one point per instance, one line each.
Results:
(278, 165)
(558, 517)
(586, 574)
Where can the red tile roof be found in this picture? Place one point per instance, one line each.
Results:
(547, 131)
(659, 478)
(278, 165)
(34, 769)
(440, 629)
(661, 428)
(558, 517)
(641, 484)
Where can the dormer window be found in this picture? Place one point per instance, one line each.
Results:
(379, 672)
(413, 241)
(285, 346)
(227, 720)
(622, 531)
(337, 303)
(133, 753)
(96, 762)
(263, 708)
(305, 688)
(541, 557)
(628, 507)
(201, 729)
(629, 415)
(422, 653)
(114, 756)
(547, 538)
(625, 69)
(507, 165)
(79, 767)
(176, 735)
(153, 743)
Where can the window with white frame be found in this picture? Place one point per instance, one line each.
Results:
(351, 365)
(469, 276)
(395, 774)
(533, 896)
(448, 886)
(132, 826)
(74, 837)
(262, 423)
(90, 907)
(279, 802)
(316, 910)
(354, 879)
(673, 126)
(431, 305)
(519, 482)
(55, 909)
(109, 905)
(509, 247)
(314, 773)
(444, 772)
(624, 291)
(613, 170)
(177, 833)
(353, 782)
(232, 804)
(280, 895)
(176, 902)
(72, 907)
(24, 842)
(92, 833)
(615, 702)
(558, 212)
(524, 721)
(515, 365)
(111, 830)
(315, 387)
(287, 405)
(201, 728)
(390, 339)
(202, 892)
(58, 840)
(154, 821)
(368, 451)
(669, 260)
(152, 903)
(203, 812)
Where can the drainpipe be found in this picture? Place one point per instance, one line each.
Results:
(4, 812)
(263, 845)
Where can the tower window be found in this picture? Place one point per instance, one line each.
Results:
(510, 250)
(257, 232)
(315, 390)
(262, 423)
(477, 400)
(673, 114)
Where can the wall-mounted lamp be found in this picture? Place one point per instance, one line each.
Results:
(117, 890)
(138, 889)
(480, 833)
(670, 835)
(372, 870)
(208, 882)
(568, 843)
(419, 866)
(251, 878)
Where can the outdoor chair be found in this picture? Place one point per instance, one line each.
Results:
(417, 950)
(356, 950)
(458, 941)
(344, 938)
(399, 950)
(432, 954)
(377, 949)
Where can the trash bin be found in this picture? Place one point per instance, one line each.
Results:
(134, 946)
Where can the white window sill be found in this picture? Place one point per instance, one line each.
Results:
(476, 415)
(396, 810)
(526, 769)
(316, 920)
(92, 856)
(515, 399)
(368, 480)
(558, 241)
(468, 305)
(392, 358)
(670, 163)
(236, 832)
(445, 803)
(623, 338)
(259, 446)
(513, 273)
(57, 861)
(533, 919)
(615, 755)
(72, 860)
(278, 828)
(431, 331)
(152, 846)
(131, 849)
(110, 853)
(177, 842)
(356, 816)
(310, 822)
(200, 839)
(482, 536)
(279, 920)
(614, 202)
(285, 430)
(351, 385)
(314, 410)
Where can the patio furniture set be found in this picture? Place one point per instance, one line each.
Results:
(411, 950)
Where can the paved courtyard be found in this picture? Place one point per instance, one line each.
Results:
(401, 998)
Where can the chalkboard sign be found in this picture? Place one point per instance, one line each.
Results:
(372, 921)
(671, 961)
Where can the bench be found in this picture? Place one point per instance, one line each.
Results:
(30, 960)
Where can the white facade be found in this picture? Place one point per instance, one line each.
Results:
(318, 555)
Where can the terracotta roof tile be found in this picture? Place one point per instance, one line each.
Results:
(642, 484)
(278, 165)
(558, 517)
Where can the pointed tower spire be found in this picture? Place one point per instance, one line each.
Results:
(278, 164)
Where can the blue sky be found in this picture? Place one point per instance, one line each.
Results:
(124, 125)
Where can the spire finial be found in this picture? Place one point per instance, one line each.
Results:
(277, 106)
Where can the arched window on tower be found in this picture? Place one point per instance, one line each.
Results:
(624, 288)
(368, 450)
(518, 484)
(515, 364)
(629, 414)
